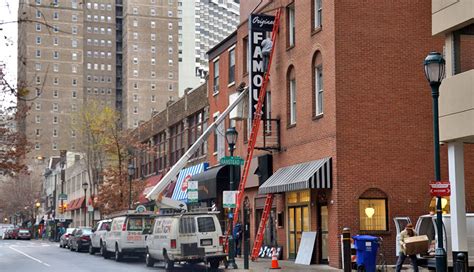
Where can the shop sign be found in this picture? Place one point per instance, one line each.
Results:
(62, 196)
(229, 199)
(440, 188)
(192, 191)
(139, 209)
(259, 25)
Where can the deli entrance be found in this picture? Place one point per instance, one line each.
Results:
(298, 219)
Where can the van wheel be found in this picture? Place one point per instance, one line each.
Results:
(103, 251)
(118, 256)
(214, 264)
(149, 261)
(169, 265)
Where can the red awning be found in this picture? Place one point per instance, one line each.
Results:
(150, 183)
(75, 204)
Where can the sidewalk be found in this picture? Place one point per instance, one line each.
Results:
(262, 265)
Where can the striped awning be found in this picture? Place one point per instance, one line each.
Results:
(181, 189)
(314, 174)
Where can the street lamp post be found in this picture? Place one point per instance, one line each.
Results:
(231, 138)
(434, 65)
(62, 164)
(131, 172)
(85, 185)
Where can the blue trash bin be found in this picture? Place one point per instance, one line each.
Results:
(366, 250)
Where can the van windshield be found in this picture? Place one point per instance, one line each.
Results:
(135, 223)
(206, 224)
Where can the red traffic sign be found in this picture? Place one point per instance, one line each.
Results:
(440, 188)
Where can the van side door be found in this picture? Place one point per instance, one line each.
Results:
(400, 224)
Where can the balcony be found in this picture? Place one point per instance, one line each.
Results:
(449, 15)
(456, 108)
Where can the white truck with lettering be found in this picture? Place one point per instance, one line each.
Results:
(191, 237)
(125, 235)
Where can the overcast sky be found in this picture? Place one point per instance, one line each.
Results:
(8, 45)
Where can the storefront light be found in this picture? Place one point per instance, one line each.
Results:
(369, 211)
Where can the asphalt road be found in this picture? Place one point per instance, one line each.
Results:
(44, 256)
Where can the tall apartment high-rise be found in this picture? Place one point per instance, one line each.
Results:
(150, 59)
(203, 24)
(121, 54)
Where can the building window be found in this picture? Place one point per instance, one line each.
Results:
(38, 132)
(38, 40)
(231, 66)
(195, 128)
(38, 53)
(176, 142)
(55, 93)
(55, 132)
(38, 66)
(38, 106)
(152, 12)
(135, 22)
(37, 146)
(55, 15)
(135, 97)
(37, 119)
(74, 94)
(245, 52)
(55, 146)
(135, 35)
(160, 160)
(170, 26)
(216, 77)
(135, 10)
(291, 24)
(55, 107)
(38, 14)
(56, 67)
(153, 24)
(38, 27)
(135, 110)
(291, 79)
(153, 36)
(317, 13)
(373, 214)
(56, 55)
(318, 100)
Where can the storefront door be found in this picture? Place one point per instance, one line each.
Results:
(324, 233)
(298, 221)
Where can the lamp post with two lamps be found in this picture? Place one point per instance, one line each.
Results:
(231, 137)
(131, 172)
(85, 185)
(434, 65)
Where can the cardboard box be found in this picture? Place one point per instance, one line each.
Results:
(416, 244)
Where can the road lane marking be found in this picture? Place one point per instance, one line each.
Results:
(33, 258)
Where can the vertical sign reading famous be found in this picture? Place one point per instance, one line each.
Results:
(259, 27)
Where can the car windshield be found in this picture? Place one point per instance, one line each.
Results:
(24, 231)
(135, 223)
(86, 231)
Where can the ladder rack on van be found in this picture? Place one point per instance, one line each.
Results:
(128, 212)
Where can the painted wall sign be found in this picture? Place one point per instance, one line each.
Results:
(259, 26)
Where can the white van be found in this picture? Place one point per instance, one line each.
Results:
(125, 235)
(98, 235)
(191, 237)
(426, 225)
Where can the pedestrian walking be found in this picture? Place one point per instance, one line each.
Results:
(238, 238)
(43, 234)
(267, 45)
(402, 255)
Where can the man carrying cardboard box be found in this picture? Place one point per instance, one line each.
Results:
(404, 235)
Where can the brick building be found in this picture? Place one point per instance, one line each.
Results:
(171, 132)
(348, 89)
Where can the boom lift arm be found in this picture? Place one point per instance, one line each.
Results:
(156, 192)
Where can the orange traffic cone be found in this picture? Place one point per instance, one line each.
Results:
(275, 260)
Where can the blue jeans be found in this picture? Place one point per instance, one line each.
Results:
(401, 260)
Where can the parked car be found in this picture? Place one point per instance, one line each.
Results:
(8, 234)
(125, 235)
(98, 232)
(80, 239)
(14, 233)
(23, 234)
(190, 237)
(426, 225)
(64, 239)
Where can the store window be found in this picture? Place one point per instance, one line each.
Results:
(373, 214)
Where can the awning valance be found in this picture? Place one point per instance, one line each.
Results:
(314, 174)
